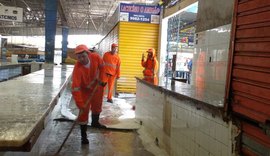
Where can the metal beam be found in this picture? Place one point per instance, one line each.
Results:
(75, 23)
(62, 14)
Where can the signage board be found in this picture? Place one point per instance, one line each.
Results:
(14, 14)
(139, 13)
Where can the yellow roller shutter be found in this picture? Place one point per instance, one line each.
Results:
(134, 39)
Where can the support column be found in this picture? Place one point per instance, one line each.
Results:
(64, 43)
(50, 29)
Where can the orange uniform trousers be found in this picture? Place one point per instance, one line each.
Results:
(95, 105)
(110, 82)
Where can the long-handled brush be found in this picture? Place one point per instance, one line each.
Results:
(76, 121)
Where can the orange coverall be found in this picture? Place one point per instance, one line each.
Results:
(150, 69)
(111, 70)
(84, 80)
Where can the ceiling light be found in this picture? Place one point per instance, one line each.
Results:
(87, 22)
(28, 8)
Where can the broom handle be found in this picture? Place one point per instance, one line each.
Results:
(75, 121)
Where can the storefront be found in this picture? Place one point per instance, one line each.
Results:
(136, 29)
(178, 33)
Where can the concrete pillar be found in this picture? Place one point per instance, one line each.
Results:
(64, 43)
(50, 29)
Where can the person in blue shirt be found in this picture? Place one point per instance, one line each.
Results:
(189, 66)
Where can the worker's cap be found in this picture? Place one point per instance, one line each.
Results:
(151, 50)
(114, 45)
(81, 48)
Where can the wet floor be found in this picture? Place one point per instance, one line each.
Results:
(102, 142)
(122, 139)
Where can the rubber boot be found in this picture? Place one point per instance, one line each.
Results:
(95, 121)
(110, 100)
(83, 134)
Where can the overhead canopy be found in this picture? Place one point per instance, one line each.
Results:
(81, 16)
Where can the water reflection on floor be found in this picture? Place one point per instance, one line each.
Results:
(57, 56)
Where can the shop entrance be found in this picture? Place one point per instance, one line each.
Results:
(180, 44)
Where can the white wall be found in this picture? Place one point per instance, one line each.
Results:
(214, 44)
(197, 132)
(181, 128)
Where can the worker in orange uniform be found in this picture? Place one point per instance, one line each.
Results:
(150, 66)
(111, 69)
(86, 80)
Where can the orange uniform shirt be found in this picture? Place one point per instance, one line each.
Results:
(84, 79)
(150, 67)
(111, 64)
